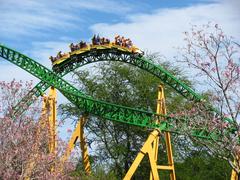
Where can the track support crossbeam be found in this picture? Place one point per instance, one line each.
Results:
(150, 147)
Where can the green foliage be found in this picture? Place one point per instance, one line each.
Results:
(98, 174)
(200, 165)
(115, 144)
(122, 84)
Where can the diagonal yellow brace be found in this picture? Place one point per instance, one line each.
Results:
(146, 149)
(72, 142)
(234, 175)
(161, 109)
(78, 133)
(150, 147)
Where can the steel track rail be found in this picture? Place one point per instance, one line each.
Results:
(98, 108)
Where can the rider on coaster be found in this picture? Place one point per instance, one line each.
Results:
(59, 55)
(117, 40)
(98, 40)
(94, 40)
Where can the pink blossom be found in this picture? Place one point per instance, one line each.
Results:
(69, 130)
(213, 69)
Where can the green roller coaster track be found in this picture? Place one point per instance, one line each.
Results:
(77, 61)
(100, 108)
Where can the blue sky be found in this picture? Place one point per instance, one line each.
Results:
(42, 28)
(38, 21)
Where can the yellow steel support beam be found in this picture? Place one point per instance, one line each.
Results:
(146, 149)
(84, 148)
(161, 109)
(72, 141)
(78, 133)
(52, 98)
(234, 175)
(48, 120)
(170, 156)
(150, 147)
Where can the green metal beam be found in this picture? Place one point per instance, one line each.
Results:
(98, 55)
(99, 108)
(77, 61)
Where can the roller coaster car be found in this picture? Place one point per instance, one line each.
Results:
(137, 51)
(121, 48)
(82, 50)
(75, 50)
(95, 47)
(63, 58)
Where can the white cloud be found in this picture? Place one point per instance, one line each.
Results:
(162, 30)
(40, 51)
(108, 6)
(10, 72)
(159, 31)
(31, 18)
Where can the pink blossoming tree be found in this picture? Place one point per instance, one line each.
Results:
(216, 59)
(24, 139)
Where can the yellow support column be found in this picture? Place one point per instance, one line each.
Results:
(52, 118)
(78, 133)
(145, 150)
(83, 145)
(150, 147)
(161, 109)
(155, 143)
(31, 163)
(234, 175)
(48, 120)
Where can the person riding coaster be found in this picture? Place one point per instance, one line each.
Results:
(53, 59)
(97, 40)
(77, 46)
(73, 47)
(59, 56)
(100, 41)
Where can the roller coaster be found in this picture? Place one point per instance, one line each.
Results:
(159, 122)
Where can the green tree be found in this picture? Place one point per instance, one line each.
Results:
(214, 57)
(115, 144)
(200, 165)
